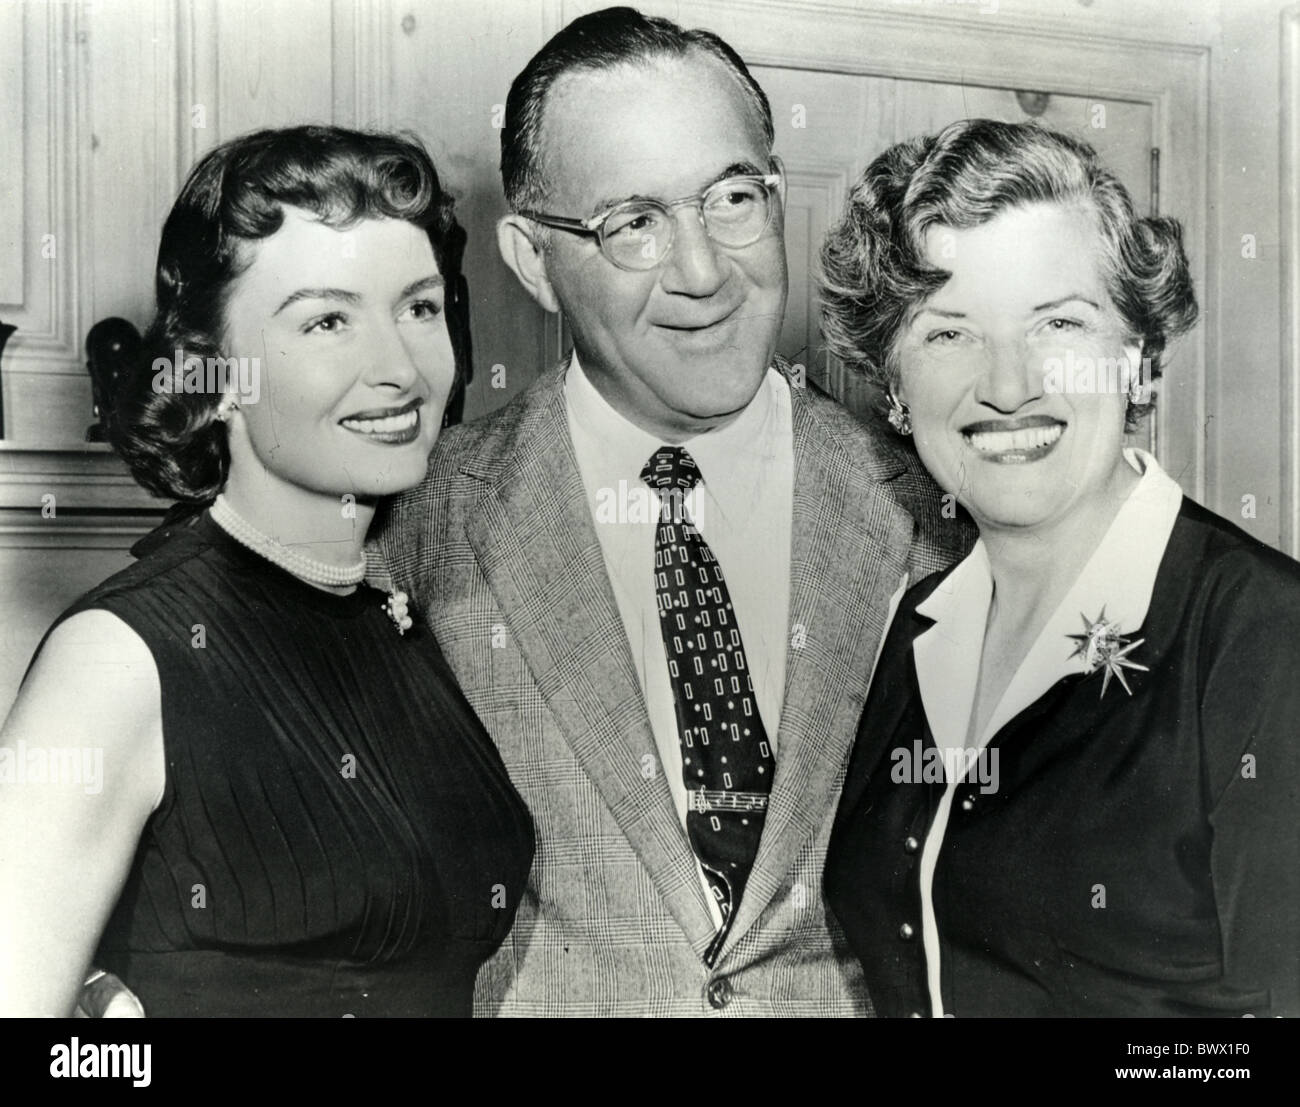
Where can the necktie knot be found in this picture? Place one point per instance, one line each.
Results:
(671, 467)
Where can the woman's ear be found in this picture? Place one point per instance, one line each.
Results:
(228, 408)
(522, 253)
(1138, 383)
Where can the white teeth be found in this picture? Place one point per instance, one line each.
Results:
(392, 424)
(1000, 442)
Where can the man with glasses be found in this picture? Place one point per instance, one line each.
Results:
(662, 572)
(636, 235)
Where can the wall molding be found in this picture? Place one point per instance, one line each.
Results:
(362, 32)
(18, 531)
(13, 168)
(50, 316)
(96, 502)
(819, 187)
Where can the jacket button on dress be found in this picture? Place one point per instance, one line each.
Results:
(911, 845)
(905, 932)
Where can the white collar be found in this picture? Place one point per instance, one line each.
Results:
(1119, 576)
(729, 457)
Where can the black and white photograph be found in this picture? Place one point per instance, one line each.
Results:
(744, 508)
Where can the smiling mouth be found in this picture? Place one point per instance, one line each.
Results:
(1014, 444)
(699, 328)
(391, 426)
(687, 329)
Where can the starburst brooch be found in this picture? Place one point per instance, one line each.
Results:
(1103, 647)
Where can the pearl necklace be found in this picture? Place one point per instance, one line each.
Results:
(299, 565)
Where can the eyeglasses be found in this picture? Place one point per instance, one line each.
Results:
(637, 234)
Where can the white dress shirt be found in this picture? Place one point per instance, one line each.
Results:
(743, 508)
(1119, 576)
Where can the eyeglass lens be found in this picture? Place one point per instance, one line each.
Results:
(638, 233)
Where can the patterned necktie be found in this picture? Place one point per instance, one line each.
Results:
(727, 762)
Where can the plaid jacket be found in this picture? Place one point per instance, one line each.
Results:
(499, 553)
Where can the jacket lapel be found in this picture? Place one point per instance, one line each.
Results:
(849, 551)
(537, 548)
(894, 694)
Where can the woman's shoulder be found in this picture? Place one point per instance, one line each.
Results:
(169, 563)
(162, 557)
(1222, 562)
(115, 711)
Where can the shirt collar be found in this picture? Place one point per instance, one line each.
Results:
(1119, 577)
(726, 455)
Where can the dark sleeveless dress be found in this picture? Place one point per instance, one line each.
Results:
(338, 835)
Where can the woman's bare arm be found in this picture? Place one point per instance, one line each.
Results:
(81, 769)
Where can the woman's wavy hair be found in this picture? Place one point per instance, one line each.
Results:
(173, 441)
(873, 270)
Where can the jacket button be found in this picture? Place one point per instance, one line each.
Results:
(911, 845)
(719, 993)
(905, 932)
(968, 803)
(916, 1015)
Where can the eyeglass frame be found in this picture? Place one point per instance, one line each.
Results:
(595, 225)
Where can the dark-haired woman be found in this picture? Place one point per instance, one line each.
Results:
(1076, 788)
(290, 808)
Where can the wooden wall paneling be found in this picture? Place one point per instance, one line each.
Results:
(445, 71)
(826, 128)
(275, 66)
(44, 401)
(198, 108)
(131, 151)
(13, 259)
(357, 67)
(98, 172)
(82, 480)
(815, 193)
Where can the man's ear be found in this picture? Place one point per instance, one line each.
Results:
(521, 253)
(782, 188)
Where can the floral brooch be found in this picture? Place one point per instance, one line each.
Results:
(1103, 647)
(396, 606)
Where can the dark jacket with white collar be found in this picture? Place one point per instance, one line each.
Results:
(1140, 855)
